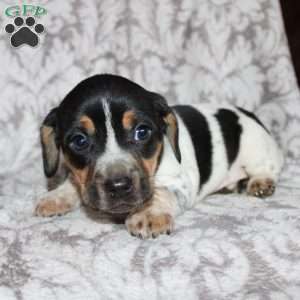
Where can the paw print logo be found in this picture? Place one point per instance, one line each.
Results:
(24, 33)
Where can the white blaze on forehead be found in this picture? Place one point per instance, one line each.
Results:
(111, 142)
(112, 152)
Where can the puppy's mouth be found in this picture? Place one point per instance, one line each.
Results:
(122, 208)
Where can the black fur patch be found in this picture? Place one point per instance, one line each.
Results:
(201, 138)
(231, 130)
(253, 117)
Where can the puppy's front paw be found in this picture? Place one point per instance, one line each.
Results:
(145, 224)
(52, 207)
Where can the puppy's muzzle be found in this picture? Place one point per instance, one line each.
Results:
(120, 181)
(119, 187)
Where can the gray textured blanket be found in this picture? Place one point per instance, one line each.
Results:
(220, 51)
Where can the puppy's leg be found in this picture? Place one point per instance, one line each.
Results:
(59, 201)
(261, 159)
(154, 218)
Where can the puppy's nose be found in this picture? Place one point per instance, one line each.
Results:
(119, 186)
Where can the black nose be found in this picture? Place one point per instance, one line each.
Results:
(119, 186)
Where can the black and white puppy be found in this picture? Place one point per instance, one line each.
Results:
(120, 149)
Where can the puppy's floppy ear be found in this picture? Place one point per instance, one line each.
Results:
(50, 145)
(170, 123)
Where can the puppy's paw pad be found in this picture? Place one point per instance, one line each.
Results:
(52, 207)
(24, 32)
(147, 225)
(261, 187)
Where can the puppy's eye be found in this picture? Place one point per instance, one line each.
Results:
(142, 133)
(79, 142)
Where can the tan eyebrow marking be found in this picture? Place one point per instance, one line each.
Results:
(128, 119)
(88, 124)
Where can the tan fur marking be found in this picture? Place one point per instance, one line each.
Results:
(150, 164)
(46, 133)
(128, 119)
(158, 222)
(171, 120)
(47, 136)
(80, 177)
(172, 133)
(88, 124)
(49, 147)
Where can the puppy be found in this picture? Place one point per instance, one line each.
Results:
(120, 149)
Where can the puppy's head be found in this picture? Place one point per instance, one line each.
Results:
(109, 132)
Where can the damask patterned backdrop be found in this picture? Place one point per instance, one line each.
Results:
(191, 51)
